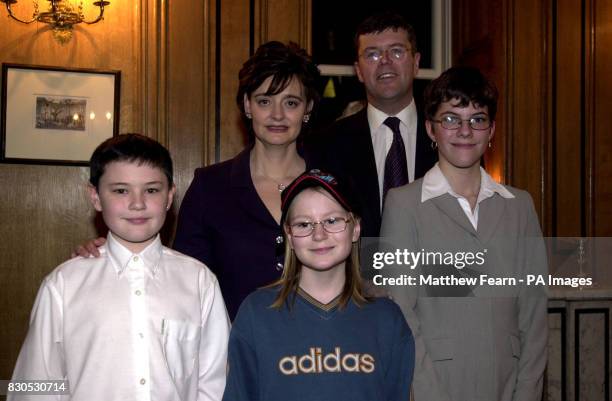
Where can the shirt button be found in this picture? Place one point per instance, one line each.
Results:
(137, 292)
(279, 239)
(135, 259)
(142, 381)
(141, 335)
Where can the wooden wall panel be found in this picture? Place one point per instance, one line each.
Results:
(600, 95)
(44, 211)
(506, 40)
(479, 40)
(235, 32)
(527, 91)
(567, 117)
(556, 92)
(283, 20)
(185, 94)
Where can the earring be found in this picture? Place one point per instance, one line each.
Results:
(490, 146)
(306, 118)
(434, 145)
(248, 115)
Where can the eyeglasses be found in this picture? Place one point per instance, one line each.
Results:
(332, 225)
(374, 55)
(451, 122)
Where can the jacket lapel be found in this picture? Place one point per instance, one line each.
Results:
(244, 190)
(490, 212)
(449, 206)
(363, 157)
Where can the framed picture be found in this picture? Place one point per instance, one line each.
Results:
(53, 115)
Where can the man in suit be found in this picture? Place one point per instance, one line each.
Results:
(369, 151)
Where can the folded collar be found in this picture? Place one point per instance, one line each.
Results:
(435, 184)
(120, 256)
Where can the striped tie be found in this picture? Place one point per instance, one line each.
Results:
(396, 166)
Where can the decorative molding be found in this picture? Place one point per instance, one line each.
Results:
(549, 185)
(211, 74)
(260, 20)
(589, 78)
(562, 312)
(263, 15)
(305, 24)
(154, 68)
(606, 374)
(509, 7)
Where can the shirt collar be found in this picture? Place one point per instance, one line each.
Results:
(120, 256)
(435, 184)
(408, 117)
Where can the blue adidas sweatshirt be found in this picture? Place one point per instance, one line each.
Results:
(316, 352)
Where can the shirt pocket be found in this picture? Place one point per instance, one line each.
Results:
(180, 344)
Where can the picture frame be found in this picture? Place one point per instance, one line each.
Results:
(56, 116)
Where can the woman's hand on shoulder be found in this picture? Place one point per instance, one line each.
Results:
(89, 248)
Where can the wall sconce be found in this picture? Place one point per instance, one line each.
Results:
(61, 15)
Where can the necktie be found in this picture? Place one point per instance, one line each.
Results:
(396, 166)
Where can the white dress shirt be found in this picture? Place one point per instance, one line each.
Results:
(147, 326)
(435, 184)
(382, 138)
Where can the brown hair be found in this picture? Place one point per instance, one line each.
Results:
(467, 84)
(282, 62)
(132, 148)
(380, 22)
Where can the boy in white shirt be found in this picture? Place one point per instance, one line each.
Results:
(143, 322)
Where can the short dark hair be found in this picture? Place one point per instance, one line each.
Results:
(129, 148)
(467, 84)
(382, 21)
(283, 62)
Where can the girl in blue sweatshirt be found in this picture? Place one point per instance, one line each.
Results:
(313, 335)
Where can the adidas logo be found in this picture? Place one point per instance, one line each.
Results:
(316, 362)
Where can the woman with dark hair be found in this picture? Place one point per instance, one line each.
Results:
(229, 218)
(313, 335)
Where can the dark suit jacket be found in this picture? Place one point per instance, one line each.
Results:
(223, 223)
(345, 149)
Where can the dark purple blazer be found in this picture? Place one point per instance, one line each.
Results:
(223, 223)
(345, 149)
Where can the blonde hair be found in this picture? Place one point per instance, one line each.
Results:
(290, 279)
